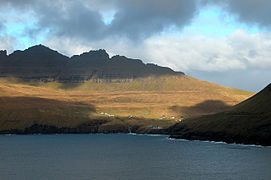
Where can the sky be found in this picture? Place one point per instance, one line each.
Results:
(222, 41)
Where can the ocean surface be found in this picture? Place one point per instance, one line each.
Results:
(128, 157)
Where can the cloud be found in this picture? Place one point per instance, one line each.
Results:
(68, 46)
(75, 21)
(84, 19)
(193, 53)
(7, 43)
(133, 19)
(141, 18)
(248, 11)
(238, 51)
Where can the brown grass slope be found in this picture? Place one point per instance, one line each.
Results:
(142, 104)
(248, 122)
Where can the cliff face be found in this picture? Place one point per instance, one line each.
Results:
(42, 63)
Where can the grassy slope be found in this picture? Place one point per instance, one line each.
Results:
(70, 105)
(247, 122)
(153, 97)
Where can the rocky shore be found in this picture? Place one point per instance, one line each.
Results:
(223, 137)
(88, 128)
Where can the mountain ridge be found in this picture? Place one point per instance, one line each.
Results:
(44, 64)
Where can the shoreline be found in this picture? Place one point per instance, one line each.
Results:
(220, 142)
(227, 140)
(169, 136)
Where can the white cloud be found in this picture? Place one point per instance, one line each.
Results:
(7, 43)
(193, 53)
(255, 49)
(237, 51)
(66, 46)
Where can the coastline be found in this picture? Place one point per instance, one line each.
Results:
(209, 137)
(223, 138)
(84, 129)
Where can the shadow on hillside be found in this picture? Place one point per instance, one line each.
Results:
(203, 108)
(40, 82)
(28, 115)
(18, 103)
(69, 84)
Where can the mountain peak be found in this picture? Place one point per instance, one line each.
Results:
(39, 48)
(118, 58)
(101, 53)
(3, 53)
(40, 45)
(40, 52)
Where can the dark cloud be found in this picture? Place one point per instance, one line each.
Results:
(135, 19)
(142, 18)
(73, 20)
(6, 4)
(83, 19)
(248, 11)
(252, 11)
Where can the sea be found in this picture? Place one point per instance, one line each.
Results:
(128, 157)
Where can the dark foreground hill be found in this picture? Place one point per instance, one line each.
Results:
(248, 122)
(44, 64)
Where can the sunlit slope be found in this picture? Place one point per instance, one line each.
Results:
(178, 96)
(164, 98)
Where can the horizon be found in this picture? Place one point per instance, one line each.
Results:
(225, 42)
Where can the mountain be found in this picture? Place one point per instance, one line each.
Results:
(3, 55)
(143, 105)
(42, 63)
(43, 91)
(37, 62)
(248, 122)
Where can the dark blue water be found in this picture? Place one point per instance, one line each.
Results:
(128, 157)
